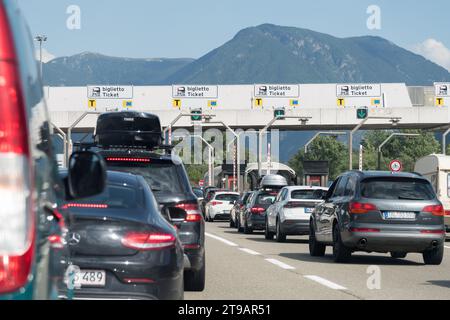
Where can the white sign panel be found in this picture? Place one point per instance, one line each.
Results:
(442, 89)
(277, 90)
(194, 91)
(110, 92)
(358, 90)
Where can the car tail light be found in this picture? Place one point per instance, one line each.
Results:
(447, 212)
(138, 280)
(215, 203)
(86, 205)
(193, 213)
(359, 208)
(123, 159)
(292, 204)
(17, 227)
(257, 210)
(435, 210)
(364, 230)
(433, 231)
(148, 240)
(56, 241)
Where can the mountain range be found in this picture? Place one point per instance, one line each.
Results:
(261, 54)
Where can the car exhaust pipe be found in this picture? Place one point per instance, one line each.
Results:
(362, 243)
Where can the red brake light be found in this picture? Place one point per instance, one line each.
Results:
(257, 210)
(193, 213)
(17, 228)
(85, 205)
(433, 231)
(447, 212)
(358, 207)
(138, 280)
(148, 241)
(120, 159)
(364, 230)
(215, 203)
(435, 210)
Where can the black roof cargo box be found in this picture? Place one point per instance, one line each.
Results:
(128, 129)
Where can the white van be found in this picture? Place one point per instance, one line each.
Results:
(436, 168)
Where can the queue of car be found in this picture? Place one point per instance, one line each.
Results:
(367, 211)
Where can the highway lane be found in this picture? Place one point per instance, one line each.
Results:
(241, 266)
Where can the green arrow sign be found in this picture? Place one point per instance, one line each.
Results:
(362, 113)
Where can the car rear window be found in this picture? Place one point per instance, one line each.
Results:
(113, 197)
(265, 198)
(397, 189)
(161, 177)
(308, 194)
(227, 197)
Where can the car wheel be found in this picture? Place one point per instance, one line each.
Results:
(398, 255)
(341, 253)
(194, 280)
(247, 229)
(232, 223)
(281, 237)
(316, 249)
(434, 256)
(268, 235)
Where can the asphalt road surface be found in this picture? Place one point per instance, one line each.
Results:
(240, 266)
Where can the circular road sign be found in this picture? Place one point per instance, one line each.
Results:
(396, 166)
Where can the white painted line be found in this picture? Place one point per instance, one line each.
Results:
(326, 282)
(232, 244)
(280, 264)
(254, 253)
(447, 247)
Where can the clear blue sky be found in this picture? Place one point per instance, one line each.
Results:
(191, 28)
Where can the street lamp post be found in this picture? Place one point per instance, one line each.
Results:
(329, 133)
(40, 39)
(394, 120)
(304, 120)
(396, 134)
(444, 142)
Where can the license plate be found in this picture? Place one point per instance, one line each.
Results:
(399, 215)
(309, 210)
(90, 278)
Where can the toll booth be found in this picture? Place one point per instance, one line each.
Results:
(315, 173)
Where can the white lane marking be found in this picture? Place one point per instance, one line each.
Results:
(280, 264)
(254, 253)
(232, 244)
(326, 282)
(447, 247)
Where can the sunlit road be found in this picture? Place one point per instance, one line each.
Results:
(241, 266)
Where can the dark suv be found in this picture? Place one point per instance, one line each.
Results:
(253, 216)
(32, 226)
(170, 184)
(379, 212)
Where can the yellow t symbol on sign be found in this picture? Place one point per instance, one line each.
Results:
(340, 102)
(176, 103)
(439, 102)
(258, 102)
(92, 103)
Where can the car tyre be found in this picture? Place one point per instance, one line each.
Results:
(281, 237)
(316, 249)
(268, 235)
(341, 253)
(194, 280)
(398, 255)
(434, 256)
(247, 229)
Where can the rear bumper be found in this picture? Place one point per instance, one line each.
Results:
(256, 221)
(295, 227)
(196, 258)
(220, 216)
(392, 240)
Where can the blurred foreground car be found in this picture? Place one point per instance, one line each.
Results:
(379, 212)
(122, 246)
(31, 227)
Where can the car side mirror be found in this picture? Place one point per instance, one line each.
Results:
(86, 175)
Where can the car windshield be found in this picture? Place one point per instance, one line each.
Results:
(265, 198)
(161, 177)
(309, 194)
(227, 197)
(114, 197)
(397, 189)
